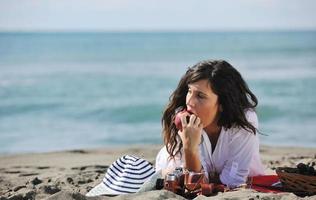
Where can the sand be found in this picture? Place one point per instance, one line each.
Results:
(71, 174)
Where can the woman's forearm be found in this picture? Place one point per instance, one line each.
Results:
(192, 160)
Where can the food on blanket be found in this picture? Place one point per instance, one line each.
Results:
(177, 120)
(306, 169)
(303, 169)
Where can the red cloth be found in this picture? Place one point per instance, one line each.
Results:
(265, 183)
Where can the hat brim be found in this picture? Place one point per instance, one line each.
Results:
(150, 183)
(101, 189)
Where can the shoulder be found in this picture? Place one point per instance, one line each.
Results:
(238, 133)
(252, 117)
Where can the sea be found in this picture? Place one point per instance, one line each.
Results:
(78, 90)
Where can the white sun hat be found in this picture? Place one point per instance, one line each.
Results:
(126, 175)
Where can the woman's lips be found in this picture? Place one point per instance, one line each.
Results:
(191, 112)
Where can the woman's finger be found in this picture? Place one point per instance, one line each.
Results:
(183, 121)
(192, 119)
(197, 121)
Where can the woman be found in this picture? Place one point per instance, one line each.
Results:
(220, 137)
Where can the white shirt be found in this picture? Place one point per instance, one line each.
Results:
(235, 157)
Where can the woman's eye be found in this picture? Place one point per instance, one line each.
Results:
(201, 96)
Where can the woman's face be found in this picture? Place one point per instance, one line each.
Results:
(203, 102)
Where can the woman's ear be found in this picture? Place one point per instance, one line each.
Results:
(220, 108)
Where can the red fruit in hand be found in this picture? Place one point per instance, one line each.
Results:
(177, 120)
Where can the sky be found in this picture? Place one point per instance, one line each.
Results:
(156, 15)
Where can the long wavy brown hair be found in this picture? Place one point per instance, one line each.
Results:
(233, 93)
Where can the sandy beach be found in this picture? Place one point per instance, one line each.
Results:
(70, 174)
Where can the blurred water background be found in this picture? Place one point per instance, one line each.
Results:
(86, 90)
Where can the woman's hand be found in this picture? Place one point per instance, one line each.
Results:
(191, 138)
(191, 132)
